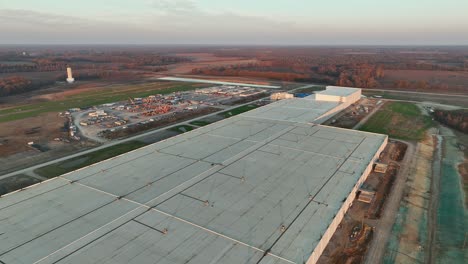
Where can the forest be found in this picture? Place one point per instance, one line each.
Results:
(112, 61)
(457, 119)
(364, 67)
(15, 67)
(17, 84)
(443, 69)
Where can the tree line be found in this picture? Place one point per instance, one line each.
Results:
(457, 119)
(17, 84)
(356, 75)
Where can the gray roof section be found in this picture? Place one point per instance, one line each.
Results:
(302, 110)
(222, 191)
(339, 91)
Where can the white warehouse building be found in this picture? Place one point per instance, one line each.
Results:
(269, 186)
(345, 95)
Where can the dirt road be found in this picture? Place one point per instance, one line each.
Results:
(378, 245)
(364, 120)
(460, 100)
(434, 201)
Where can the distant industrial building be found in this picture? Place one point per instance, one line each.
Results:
(269, 186)
(70, 78)
(281, 96)
(339, 94)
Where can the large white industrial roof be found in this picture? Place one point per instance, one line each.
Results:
(243, 190)
(302, 110)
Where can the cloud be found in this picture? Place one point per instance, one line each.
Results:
(19, 17)
(173, 6)
(24, 26)
(176, 26)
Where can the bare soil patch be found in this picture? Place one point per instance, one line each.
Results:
(15, 135)
(186, 68)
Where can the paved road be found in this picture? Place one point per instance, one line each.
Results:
(378, 245)
(113, 143)
(460, 100)
(412, 92)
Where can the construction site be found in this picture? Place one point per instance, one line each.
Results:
(99, 120)
(352, 239)
(270, 185)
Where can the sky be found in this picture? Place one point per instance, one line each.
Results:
(235, 22)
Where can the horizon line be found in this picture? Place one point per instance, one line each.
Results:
(235, 45)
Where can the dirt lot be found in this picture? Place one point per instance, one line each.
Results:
(169, 120)
(15, 153)
(202, 60)
(351, 240)
(351, 116)
(15, 135)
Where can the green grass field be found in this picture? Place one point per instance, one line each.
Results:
(199, 123)
(182, 128)
(239, 110)
(16, 182)
(102, 95)
(311, 89)
(63, 167)
(399, 120)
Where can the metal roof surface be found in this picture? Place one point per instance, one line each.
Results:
(242, 190)
(302, 110)
(339, 91)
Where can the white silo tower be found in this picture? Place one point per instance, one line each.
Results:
(70, 78)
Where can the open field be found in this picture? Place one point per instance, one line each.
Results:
(197, 80)
(182, 128)
(16, 182)
(39, 121)
(239, 110)
(60, 168)
(399, 120)
(206, 60)
(24, 159)
(104, 95)
(200, 123)
(42, 129)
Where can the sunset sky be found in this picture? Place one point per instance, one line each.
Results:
(296, 22)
